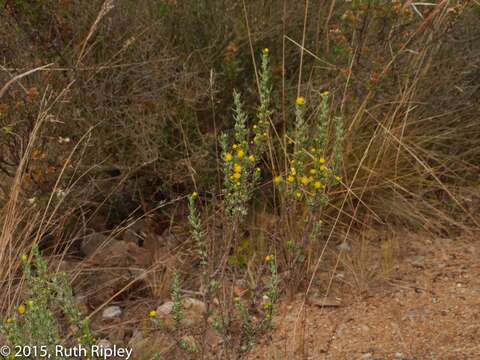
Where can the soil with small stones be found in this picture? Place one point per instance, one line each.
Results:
(428, 308)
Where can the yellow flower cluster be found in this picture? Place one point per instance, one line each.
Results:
(241, 161)
(308, 179)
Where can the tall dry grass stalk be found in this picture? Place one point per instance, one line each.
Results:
(12, 216)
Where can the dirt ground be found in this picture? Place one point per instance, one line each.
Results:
(428, 308)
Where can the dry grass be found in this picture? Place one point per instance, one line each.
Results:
(125, 128)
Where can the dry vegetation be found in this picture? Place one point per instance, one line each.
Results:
(173, 174)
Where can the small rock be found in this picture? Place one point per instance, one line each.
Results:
(344, 246)
(400, 356)
(137, 338)
(417, 261)
(340, 330)
(91, 243)
(366, 356)
(194, 305)
(111, 312)
(365, 329)
(104, 343)
(166, 308)
(325, 301)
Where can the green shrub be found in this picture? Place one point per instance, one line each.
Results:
(35, 321)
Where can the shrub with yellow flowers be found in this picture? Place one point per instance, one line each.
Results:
(310, 171)
(242, 157)
(35, 322)
(237, 169)
(240, 164)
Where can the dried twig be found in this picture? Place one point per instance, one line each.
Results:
(19, 76)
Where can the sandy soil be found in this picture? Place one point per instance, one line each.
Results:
(429, 308)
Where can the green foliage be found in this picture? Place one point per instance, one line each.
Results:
(35, 321)
(178, 311)
(240, 173)
(251, 331)
(271, 295)
(196, 230)
(241, 159)
(262, 126)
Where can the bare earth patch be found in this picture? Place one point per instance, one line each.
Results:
(429, 308)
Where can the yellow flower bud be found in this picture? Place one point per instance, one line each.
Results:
(300, 101)
(313, 171)
(240, 154)
(322, 160)
(152, 314)
(277, 180)
(237, 176)
(251, 158)
(290, 179)
(228, 157)
(21, 309)
(194, 195)
(317, 185)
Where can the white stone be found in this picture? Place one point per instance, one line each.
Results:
(366, 356)
(165, 309)
(195, 305)
(111, 312)
(104, 343)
